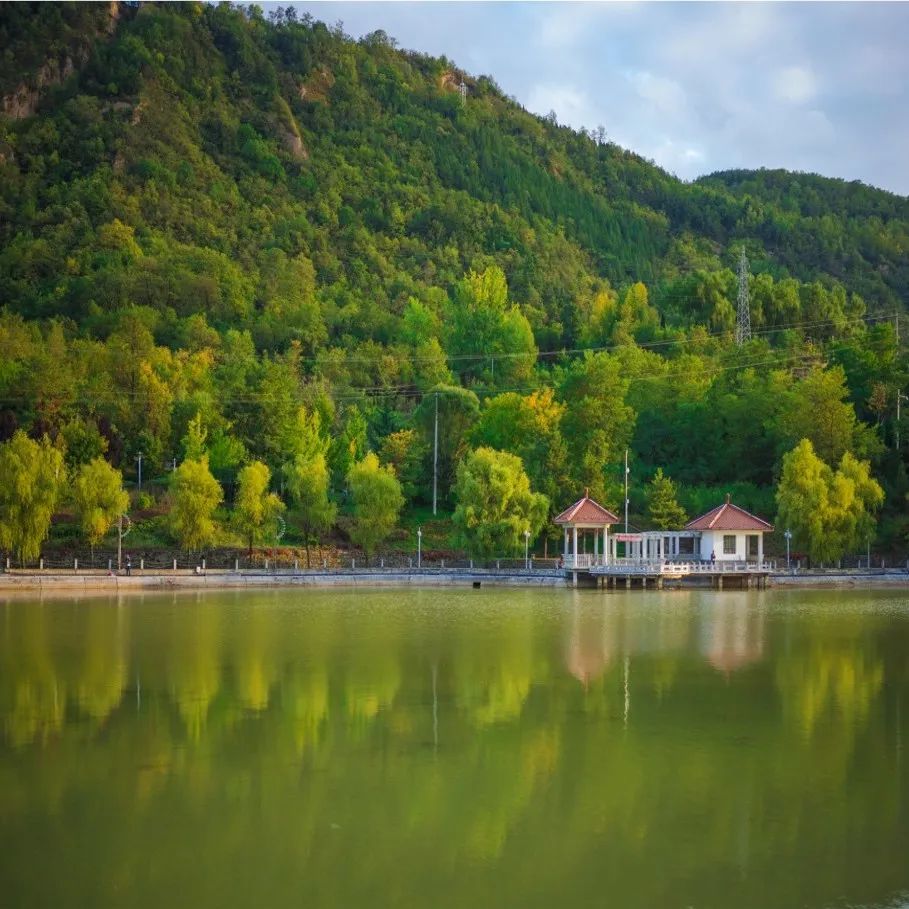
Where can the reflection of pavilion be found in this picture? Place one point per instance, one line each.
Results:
(591, 644)
(733, 636)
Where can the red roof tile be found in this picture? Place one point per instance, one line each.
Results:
(586, 511)
(728, 517)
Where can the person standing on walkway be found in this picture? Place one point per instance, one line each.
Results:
(129, 565)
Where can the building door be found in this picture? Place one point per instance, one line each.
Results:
(752, 548)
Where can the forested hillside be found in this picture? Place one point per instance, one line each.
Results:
(231, 238)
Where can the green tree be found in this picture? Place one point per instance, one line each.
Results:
(377, 501)
(528, 426)
(83, 442)
(307, 478)
(256, 510)
(100, 499)
(495, 504)
(32, 475)
(458, 409)
(663, 509)
(817, 408)
(490, 338)
(194, 442)
(829, 512)
(597, 424)
(406, 451)
(196, 494)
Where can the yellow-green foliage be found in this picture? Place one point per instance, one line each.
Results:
(196, 494)
(99, 498)
(829, 512)
(495, 503)
(32, 473)
(255, 508)
(377, 501)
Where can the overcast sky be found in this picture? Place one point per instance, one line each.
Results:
(697, 87)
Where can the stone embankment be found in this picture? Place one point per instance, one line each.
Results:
(41, 582)
(875, 578)
(95, 582)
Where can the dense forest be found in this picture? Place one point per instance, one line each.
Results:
(254, 250)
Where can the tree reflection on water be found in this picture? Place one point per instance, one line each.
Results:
(432, 748)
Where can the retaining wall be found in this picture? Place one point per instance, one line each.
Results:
(45, 582)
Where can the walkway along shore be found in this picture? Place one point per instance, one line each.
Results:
(100, 582)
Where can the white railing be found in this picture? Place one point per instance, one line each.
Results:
(584, 561)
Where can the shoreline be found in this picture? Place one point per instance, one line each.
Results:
(47, 582)
(41, 582)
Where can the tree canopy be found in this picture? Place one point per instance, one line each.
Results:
(495, 504)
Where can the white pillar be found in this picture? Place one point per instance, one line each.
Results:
(606, 545)
(760, 549)
(566, 544)
(574, 534)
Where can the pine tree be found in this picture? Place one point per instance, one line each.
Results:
(663, 508)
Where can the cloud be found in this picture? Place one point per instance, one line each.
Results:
(795, 84)
(570, 104)
(667, 96)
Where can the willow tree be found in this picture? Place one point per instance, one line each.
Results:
(307, 477)
(32, 474)
(196, 494)
(829, 511)
(256, 510)
(496, 505)
(100, 499)
(377, 501)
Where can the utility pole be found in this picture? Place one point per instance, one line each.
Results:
(899, 398)
(626, 493)
(435, 458)
(462, 91)
(139, 485)
(743, 312)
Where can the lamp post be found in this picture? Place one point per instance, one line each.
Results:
(526, 549)
(419, 545)
(788, 535)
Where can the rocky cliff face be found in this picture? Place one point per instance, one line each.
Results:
(23, 100)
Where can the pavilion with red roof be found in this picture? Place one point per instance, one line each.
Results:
(588, 518)
(727, 536)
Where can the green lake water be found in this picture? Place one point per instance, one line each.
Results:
(456, 748)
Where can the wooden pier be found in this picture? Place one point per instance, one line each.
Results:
(614, 574)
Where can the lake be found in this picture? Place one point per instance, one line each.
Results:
(456, 748)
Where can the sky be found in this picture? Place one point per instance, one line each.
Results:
(696, 87)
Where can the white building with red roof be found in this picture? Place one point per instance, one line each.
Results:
(731, 534)
(727, 536)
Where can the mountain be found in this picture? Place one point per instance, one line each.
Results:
(204, 211)
(221, 144)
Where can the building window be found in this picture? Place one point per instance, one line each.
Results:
(752, 547)
(729, 544)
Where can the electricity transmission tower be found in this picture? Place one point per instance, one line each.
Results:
(743, 314)
(462, 91)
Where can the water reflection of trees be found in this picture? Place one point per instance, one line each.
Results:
(456, 738)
